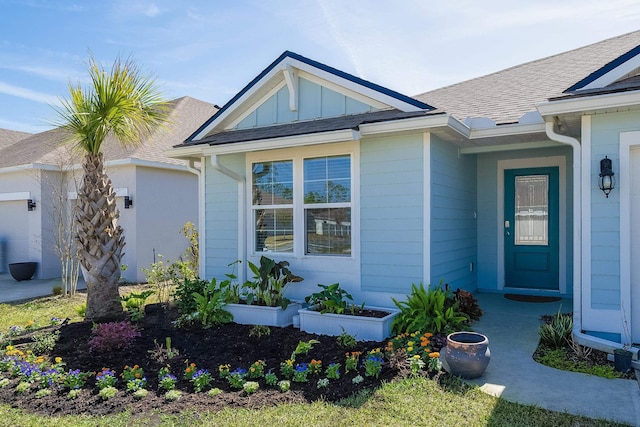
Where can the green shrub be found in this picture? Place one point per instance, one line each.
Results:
(557, 334)
(433, 310)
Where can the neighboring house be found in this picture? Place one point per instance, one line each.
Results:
(9, 137)
(163, 193)
(488, 185)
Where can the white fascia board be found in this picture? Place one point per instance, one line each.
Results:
(589, 103)
(615, 74)
(356, 88)
(343, 88)
(245, 96)
(146, 163)
(30, 166)
(506, 130)
(18, 195)
(510, 147)
(205, 150)
(417, 123)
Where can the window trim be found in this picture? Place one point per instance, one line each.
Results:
(297, 155)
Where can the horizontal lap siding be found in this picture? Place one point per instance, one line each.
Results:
(605, 212)
(221, 216)
(391, 213)
(453, 226)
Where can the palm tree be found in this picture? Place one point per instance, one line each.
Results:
(126, 106)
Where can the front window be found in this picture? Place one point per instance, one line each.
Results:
(327, 205)
(272, 192)
(322, 196)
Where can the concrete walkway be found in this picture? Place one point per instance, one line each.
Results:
(512, 329)
(11, 290)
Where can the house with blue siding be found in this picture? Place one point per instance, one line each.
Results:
(496, 184)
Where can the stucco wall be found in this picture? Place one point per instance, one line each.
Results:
(164, 200)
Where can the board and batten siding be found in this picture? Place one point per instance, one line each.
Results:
(391, 213)
(314, 102)
(453, 222)
(605, 212)
(221, 216)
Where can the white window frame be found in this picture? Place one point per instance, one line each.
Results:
(298, 155)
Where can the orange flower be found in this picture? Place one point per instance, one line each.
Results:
(434, 355)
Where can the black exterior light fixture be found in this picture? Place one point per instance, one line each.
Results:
(128, 202)
(607, 180)
(31, 205)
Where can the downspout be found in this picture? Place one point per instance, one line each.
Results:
(215, 162)
(191, 167)
(577, 225)
(579, 336)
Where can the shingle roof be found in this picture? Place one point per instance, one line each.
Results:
(507, 95)
(306, 127)
(9, 137)
(187, 114)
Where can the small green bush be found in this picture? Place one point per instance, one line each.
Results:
(433, 310)
(557, 334)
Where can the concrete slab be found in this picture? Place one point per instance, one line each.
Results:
(512, 374)
(12, 290)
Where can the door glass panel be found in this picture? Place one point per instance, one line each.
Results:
(532, 210)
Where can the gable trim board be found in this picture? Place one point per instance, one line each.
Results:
(610, 72)
(11, 197)
(283, 64)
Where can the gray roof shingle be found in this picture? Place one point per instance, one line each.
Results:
(507, 95)
(10, 137)
(49, 147)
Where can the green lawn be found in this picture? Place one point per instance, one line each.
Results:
(414, 401)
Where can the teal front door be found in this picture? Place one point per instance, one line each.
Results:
(531, 228)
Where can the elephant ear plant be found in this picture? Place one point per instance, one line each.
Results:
(270, 281)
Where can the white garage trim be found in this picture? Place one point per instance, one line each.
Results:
(9, 197)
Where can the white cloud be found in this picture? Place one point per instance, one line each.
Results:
(29, 94)
(152, 10)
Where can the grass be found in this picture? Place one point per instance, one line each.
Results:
(559, 358)
(413, 401)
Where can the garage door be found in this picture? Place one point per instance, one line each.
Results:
(14, 232)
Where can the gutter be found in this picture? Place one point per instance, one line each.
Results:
(242, 196)
(582, 338)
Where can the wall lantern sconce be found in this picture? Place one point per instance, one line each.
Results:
(31, 205)
(607, 181)
(128, 202)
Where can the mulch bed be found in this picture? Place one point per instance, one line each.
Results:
(207, 348)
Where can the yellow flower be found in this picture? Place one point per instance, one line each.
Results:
(416, 356)
(58, 359)
(409, 349)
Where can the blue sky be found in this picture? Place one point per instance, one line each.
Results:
(211, 49)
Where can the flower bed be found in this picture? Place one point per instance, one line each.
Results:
(265, 369)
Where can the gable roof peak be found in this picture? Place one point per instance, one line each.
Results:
(282, 68)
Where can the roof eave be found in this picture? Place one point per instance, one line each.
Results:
(589, 103)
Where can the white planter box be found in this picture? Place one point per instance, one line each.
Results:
(363, 328)
(259, 315)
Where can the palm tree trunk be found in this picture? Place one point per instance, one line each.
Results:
(100, 240)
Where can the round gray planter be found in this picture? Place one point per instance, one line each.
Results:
(467, 354)
(22, 270)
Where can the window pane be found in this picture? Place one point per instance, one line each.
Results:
(327, 180)
(272, 183)
(532, 210)
(328, 231)
(274, 230)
